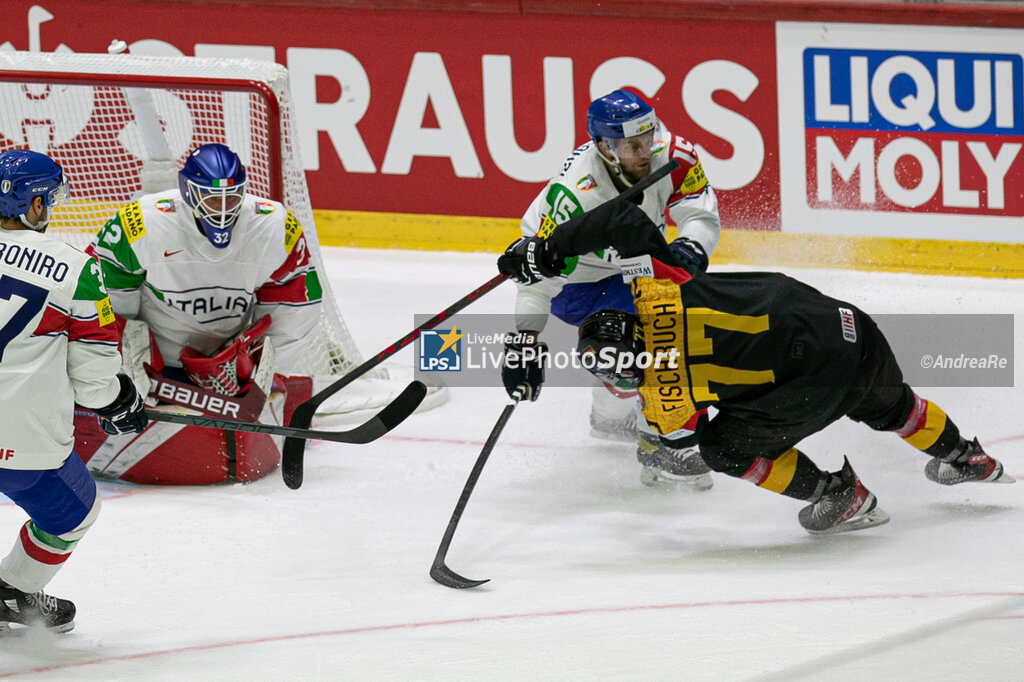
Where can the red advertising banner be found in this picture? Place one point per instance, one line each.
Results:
(463, 113)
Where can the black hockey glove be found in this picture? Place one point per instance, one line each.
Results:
(529, 260)
(522, 365)
(689, 254)
(127, 414)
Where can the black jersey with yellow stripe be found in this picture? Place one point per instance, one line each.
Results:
(758, 343)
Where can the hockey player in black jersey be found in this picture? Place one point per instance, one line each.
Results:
(778, 359)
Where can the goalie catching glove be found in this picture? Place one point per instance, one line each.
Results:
(127, 414)
(227, 371)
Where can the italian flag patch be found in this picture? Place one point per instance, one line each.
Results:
(226, 182)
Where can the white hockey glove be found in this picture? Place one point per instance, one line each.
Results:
(228, 371)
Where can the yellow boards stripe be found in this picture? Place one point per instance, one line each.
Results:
(764, 248)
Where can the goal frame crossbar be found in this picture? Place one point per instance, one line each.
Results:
(115, 80)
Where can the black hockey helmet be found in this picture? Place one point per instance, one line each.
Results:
(610, 343)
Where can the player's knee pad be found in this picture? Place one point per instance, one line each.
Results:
(37, 555)
(897, 414)
(725, 460)
(76, 533)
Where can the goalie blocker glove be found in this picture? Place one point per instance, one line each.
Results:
(528, 260)
(127, 414)
(522, 365)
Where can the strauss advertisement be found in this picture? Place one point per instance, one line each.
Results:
(453, 113)
(858, 129)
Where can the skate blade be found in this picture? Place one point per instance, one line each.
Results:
(998, 475)
(1001, 476)
(875, 517)
(655, 478)
(614, 436)
(6, 629)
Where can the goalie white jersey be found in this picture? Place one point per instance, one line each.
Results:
(585, 183)
(161, 269)
(58, 346)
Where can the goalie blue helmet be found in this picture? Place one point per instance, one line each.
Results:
(25, 175)
(619, 114)
(212, 184)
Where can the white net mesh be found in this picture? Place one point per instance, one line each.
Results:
(120, 125)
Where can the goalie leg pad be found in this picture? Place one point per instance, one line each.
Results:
(297, 388)
(172, 454)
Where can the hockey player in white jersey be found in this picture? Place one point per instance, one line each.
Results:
(223, 282)
(58, 347)
(627, 142)
(201, 263)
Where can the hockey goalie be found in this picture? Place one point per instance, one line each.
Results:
(219, 302)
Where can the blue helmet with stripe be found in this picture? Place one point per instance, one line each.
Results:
(212, 184)
(619, 114)
(25, 175)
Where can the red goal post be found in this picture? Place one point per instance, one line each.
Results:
(121, 125)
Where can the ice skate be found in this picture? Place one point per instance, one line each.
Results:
(613, 415)
(34, 610)
(665, 465)
(970, 465)
(845, 505)
(622, 429)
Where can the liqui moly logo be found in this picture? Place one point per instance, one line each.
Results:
(913, 131)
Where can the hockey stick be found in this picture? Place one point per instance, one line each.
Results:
(292, 454)
(438, 570)
(302, 417)
(391, 416)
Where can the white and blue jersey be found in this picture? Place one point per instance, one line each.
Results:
(594, 280)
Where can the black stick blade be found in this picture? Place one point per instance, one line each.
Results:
(393, 414)
(401, 407)
(291, 464)
(449, 578)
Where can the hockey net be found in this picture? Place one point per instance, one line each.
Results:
(121, 125)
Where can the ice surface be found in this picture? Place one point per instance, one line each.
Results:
(593, 576)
